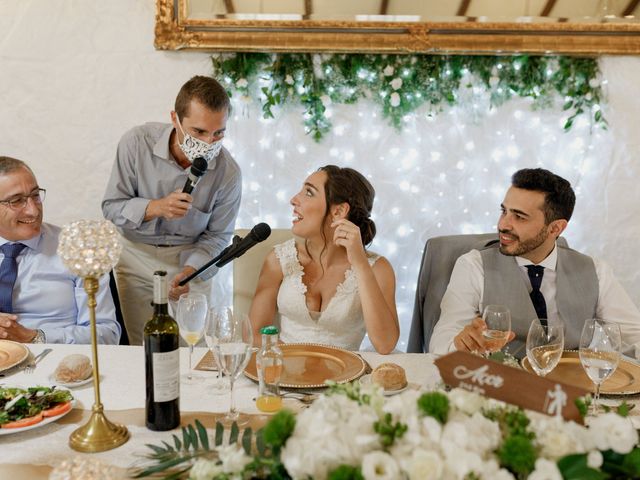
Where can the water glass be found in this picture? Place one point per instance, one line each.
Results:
(213, 316)
(497, 319)
(191, 316)
(545, 343)
(233, 350)
(600, 345)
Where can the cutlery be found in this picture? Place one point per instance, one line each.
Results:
(31, 366)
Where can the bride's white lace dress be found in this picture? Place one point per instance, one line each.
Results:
(341, 322)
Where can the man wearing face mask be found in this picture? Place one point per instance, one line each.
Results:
(162, 227)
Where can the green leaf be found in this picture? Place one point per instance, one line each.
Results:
(574, 467)
(204, 437)
(260, 444)
(177, 443)
(233, 435)
(219, 433)
(247, 436)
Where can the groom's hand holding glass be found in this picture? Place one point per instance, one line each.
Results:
(474, 337)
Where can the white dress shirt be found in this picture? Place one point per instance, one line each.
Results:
(462, 301)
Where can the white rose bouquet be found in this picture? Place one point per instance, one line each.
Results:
(354, 433)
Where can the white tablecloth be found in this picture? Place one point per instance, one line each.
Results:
(123, 388)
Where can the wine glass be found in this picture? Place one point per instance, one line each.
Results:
(545, 343)
(599, 352)
(233, 350)
(191, 316)
(213, 316)
(497, 319)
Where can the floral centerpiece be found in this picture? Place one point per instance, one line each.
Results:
(354, 433)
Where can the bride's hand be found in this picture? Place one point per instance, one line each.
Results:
(347, 235)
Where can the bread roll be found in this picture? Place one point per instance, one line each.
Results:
(389, 376)
(73, 368)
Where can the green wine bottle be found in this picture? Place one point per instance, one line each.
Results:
(162, 361)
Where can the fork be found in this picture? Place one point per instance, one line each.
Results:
(31, 366)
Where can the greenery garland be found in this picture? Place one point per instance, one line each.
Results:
(401, 84)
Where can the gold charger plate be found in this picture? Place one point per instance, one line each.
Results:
(309, 365)
(624, 381)
(11, 354)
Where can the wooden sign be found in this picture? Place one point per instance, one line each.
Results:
(509, 384)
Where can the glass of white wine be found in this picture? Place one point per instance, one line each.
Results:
(600, 345)
(497, 319)
(233, 350)
(191, 316)
(545, 343)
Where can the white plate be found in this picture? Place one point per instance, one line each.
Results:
(366, 380)
(53, 380)
(45, 421)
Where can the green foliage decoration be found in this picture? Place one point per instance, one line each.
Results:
(400, 84)
(434, 404)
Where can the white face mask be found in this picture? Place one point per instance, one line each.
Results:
(194, 148)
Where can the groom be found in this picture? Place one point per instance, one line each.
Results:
(532, 275)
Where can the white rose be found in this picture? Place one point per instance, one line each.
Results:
(289, 80)
(242, 83)
(388, 71)
(545, 470)
(205, 470)
(233, 458)
(379, 466)
(396, 83)
(326, 100)
(594, 459)
(460, 463)
(465, 401)
(611, 431)
(493, 81)
(425, 465)
(394, 99)
(556, 441)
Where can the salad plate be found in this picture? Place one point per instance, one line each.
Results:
(13, 392)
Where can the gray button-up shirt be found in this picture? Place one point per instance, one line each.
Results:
(145, 170)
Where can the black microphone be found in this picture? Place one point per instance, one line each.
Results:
(198, 167)
(238, 247)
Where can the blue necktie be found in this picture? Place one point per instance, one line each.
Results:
(8, 272)
(535, 277)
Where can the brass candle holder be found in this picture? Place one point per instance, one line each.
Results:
(90, 249)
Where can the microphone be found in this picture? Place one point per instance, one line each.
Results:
(198, 167)
(238, 247)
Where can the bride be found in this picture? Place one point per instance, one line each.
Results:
(326, 286)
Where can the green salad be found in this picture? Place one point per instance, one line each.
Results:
(21, 403)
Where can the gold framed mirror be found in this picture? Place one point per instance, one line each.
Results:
(575, 27)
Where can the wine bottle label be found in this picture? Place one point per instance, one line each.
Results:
(166, 376)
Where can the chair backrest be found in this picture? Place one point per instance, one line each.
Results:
(124, 337)
(246, 269)
(438, 259)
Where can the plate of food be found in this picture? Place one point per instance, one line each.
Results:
(26, 408)
(390, 376)
(12, 354)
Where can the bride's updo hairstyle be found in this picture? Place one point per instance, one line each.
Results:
(346, 185)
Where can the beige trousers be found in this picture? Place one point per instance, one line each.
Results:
(134, 277)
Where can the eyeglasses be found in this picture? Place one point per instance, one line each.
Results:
(18, 203)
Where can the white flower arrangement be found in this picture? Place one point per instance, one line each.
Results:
(355, 433)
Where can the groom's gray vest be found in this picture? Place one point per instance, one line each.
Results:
(576, 293)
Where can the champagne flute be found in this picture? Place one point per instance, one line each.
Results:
(191, 316)
(600, 345)
(232, 351)
(545, 343)
(497, 319)
(213, 316)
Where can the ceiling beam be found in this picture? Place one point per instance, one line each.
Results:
(630, 8)
(547, 8)
(384, 6)
(462, 9)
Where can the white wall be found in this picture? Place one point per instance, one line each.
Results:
(76, 74)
